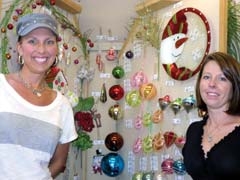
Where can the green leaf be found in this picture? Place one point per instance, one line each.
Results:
(84, 104)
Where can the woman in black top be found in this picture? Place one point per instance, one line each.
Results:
(212, 148)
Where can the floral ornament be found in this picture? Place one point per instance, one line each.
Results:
(83, 141)
(84, 73)
(84, 120)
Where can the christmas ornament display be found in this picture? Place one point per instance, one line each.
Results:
(148, 91)
(169, 138)
(133, 98)
(138, 79)
(189, 103)
(118, 72)
(114, 141)
(167, 166)
(179, 167)
(164, 102)
(112, 164)
(115, 112)
(116, 92)
(158, 176)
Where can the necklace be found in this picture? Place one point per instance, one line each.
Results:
(210, 134)
(35, 91)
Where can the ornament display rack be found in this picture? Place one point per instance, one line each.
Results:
(153, 5)
(69, 5)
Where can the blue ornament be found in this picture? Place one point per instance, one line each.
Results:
(179, 167)
(112, 164)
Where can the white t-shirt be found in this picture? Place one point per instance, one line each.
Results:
(29, 134)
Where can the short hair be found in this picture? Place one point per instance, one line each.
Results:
(231, 70)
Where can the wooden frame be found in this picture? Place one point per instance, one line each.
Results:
(223, 14)
(69, 6)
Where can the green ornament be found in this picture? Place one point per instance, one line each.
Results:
(118, 72)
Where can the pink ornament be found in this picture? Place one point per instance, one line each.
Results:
(180, 141)
(167, 166)
(138, 122)
(137, 147)
(138, 79)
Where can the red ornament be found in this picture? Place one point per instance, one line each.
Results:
(170, 138)
(114, 141)
(116, 92)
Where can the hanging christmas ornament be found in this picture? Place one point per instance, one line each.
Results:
(158, 176)
(147, 144)
(167, 166)
(116, 92)
(115, 112)
(137, 176)
(138, 79)
(96, 162)
(112, 164)
(176, 105)
(111, 54)
(179, 167)
(147, 119)
(157, 116)
(137, 146)
(148, 176)
(189, 103)
(148, 91)
(169, 138)
(129, 54)
(133, 98)
(103, 94)
(114, 141)
(158, 142)
(99, 62)
(118, 72)
(180, 141)
(164, 102)
(138, 122)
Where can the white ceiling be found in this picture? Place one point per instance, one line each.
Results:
(113, 15)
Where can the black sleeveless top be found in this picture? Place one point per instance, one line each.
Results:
(222, 161)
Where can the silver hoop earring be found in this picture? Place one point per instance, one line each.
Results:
(20, 60)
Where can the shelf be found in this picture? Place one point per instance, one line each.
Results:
(69, 5)
(153, 5)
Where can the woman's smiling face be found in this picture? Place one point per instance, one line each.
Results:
(38, 48)
(215, 88)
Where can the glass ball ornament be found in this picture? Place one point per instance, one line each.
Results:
(114, 141)
(179, 167)
(116, 92)
(129, 54)
(133, 98)
(112, 164)
(115, 112)
(118, 72)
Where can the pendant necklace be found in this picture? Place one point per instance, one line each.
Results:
(36, 91)
(210, 134)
